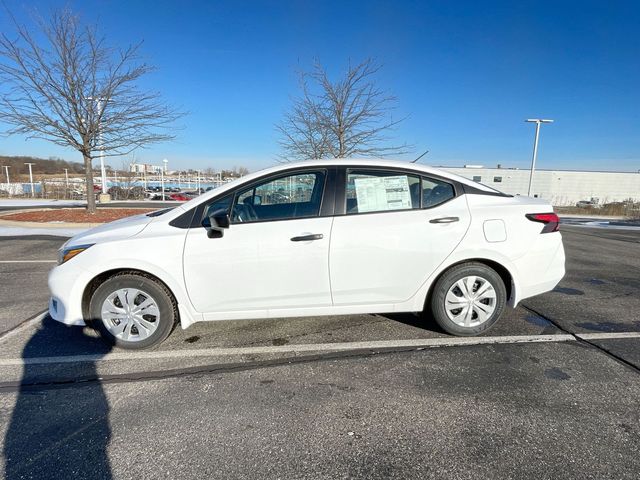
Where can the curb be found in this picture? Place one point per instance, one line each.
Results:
(37, 225)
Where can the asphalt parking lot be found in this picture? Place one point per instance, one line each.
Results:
(551, 392)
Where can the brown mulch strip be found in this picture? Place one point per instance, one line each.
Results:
(75, 215)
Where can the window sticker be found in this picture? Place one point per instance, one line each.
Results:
(376, 194)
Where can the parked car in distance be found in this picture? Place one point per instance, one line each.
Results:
(169, 196)
(324, 237)
(586, 204)
(159, 196)
(122, 193)
(180, 197)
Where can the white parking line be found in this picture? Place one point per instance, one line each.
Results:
(291, 349)
(24, 325)
(305, 348)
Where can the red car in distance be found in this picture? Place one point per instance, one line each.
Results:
(179, 197)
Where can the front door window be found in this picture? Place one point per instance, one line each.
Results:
(293, 196)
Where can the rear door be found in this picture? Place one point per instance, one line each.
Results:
(396, 228)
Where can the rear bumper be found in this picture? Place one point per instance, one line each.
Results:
(542, 269)
(66, 284)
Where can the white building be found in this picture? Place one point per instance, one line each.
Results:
(561, 187)
(146, 168)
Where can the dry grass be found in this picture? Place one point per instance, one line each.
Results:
(618, 209)
(76, 215)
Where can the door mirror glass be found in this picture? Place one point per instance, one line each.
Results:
(216, 223)
(220, 219)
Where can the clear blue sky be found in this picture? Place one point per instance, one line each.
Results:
(466, 72)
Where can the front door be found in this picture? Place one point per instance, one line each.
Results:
(274, 255)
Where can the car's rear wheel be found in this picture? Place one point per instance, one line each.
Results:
(468, 299)
(133, 311)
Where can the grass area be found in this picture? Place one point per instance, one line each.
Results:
(627, 210)
(75, 215)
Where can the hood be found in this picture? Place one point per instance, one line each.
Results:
(117, 230)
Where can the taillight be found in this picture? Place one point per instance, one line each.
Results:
(550, 220)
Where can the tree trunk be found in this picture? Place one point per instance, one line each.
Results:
(91, 196)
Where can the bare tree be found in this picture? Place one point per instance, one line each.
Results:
(240, 171)
(303, 133)
(73, 90)
(344, 118)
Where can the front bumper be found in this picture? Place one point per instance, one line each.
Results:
(67, 283)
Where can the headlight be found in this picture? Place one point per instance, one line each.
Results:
(67, 253)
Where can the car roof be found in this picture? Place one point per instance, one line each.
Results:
(351, 162)
(381, 163)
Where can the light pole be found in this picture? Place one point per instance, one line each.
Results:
(165, 161)
(162, 182)
(31, 178)
(6, 171)
(103, 173)
(537, 121)
(66, 181)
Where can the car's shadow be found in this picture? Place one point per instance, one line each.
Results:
(417, 320)
(59, 427)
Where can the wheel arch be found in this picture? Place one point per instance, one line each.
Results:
(96, 281)
(500, 269)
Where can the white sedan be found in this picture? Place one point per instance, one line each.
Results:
(326, 237)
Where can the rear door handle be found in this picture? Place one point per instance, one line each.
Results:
(444, 220)
(307, 238)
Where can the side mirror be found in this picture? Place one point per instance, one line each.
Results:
(216, 223)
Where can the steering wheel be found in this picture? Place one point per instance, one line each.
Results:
(245, 212)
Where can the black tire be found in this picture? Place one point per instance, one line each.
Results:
(160, 293)
(448, 279)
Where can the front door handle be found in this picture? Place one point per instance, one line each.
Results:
(444, 220)
(307, 238)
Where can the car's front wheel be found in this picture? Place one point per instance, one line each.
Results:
(468, 299)
(133, 311)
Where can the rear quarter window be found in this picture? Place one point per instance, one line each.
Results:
(436, 192)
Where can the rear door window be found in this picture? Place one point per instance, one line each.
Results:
(381, 191)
